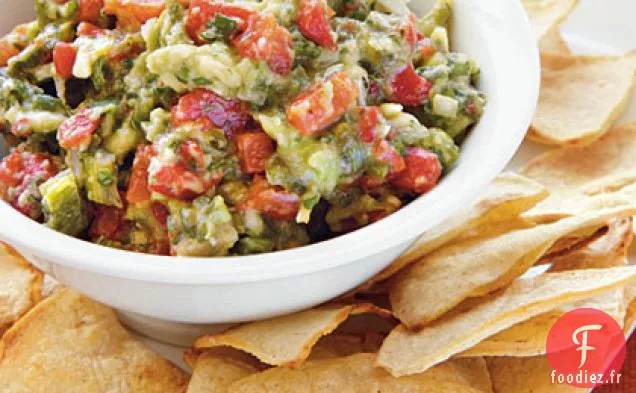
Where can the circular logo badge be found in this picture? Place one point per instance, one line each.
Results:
(586, 348)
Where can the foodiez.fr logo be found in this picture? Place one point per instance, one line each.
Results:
(586, 348)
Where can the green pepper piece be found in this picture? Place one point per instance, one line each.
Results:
(62, 204)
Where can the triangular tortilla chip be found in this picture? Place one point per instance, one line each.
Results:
(472, 268)
(407, 353)
(528, 338)
(69, 343)
(287, 340)
(546, 14)
(553, 42)
(19, 288)
(608, 250)
(356, 374)
(506, 197)
(525, 375)
(567, 116)
(586, 177)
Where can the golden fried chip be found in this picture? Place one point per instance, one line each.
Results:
(525, 375)
(528, 338)
(547, 14)
(585, 177)
(216, 369)
(406, 353)
(19, 288)
(287, 340)
(506, 197)
(69, 343)
(608, 250)
(553, 42)
(357, 374)
(565, 116)
(472, 268)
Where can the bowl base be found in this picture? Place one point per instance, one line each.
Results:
(173, 333)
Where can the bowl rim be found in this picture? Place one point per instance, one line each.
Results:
(399, 228)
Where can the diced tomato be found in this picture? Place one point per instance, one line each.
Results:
(87, 29)
(407, 87)
(192, 155)
(21, 128)
(254, 149)
(409, 32)
(261, 37)
(314, 22)
(76, 131)
(422, 172)
(18, 171)
(7, 51)
(138, 184)
(265, 40)
(133, 13)
(274, 202)
(108, 223)
(368, 121)
(425, 48)
(89, 10)
(64, 58)
(211, 111)
(322, 104)
(202, 11)
(177, 181)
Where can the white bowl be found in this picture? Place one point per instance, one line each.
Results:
(224, 290)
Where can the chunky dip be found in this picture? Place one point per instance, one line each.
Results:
(212, 128)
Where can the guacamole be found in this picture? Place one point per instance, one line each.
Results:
(213, 128)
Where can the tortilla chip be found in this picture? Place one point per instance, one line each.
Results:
(506, 197)
(585, 177)
(215, 370)
(475, 267)
(525, 375)
(357, 374)
(528, 338)
(564, 115)
(287, 340)
(19, 289)
(407, 353)
(69, 343)
(609, 250)
(553, 42)
(547, 14)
